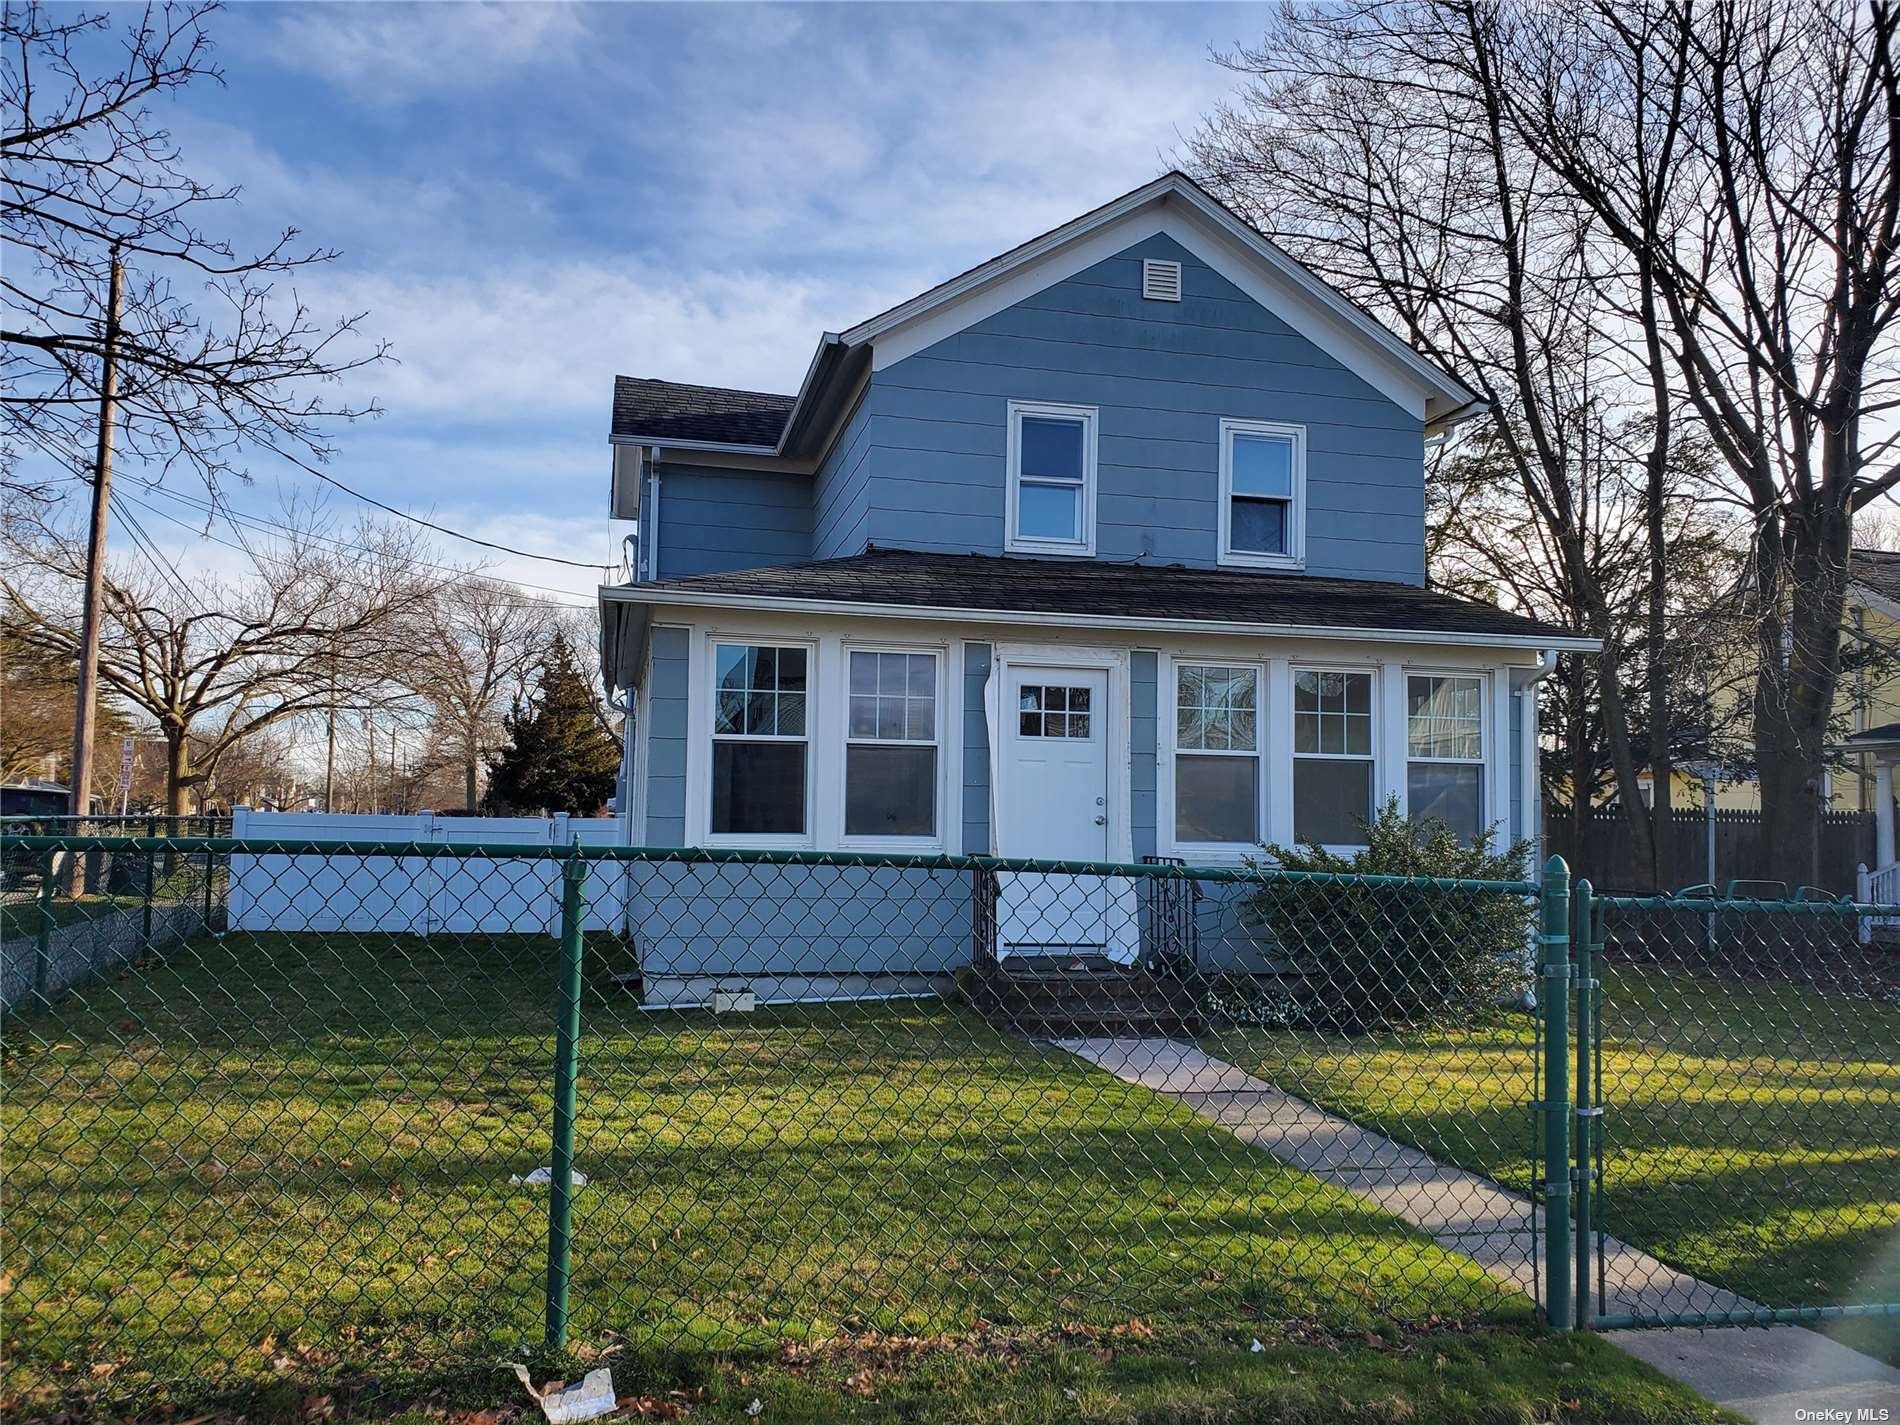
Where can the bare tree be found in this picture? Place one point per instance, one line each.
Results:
(475, 647)
(1741, 157)
(215, 355)
(215, 661)
(1374, 140)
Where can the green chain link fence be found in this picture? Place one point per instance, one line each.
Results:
(326, 1133)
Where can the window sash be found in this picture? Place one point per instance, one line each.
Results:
(856, 741)
(1239, 698)
(748, 691)
(1344, 714)
(1080, 486)
(1445, 726)
(1243, 490)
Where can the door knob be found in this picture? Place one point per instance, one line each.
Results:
(1101, 821)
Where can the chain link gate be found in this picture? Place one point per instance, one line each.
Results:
(1737, 1152)
(811, 1094)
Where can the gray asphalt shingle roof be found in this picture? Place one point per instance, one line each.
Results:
(672, 410)
(1877, 570)
(985, 582)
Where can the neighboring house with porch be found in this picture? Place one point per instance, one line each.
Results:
(1109, 549)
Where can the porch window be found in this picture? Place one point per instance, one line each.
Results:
(1332, 756)
(890, 759)
(1262, 486)
(1051, 479)
(761, 745)
(1444, 736)
(1217, 755)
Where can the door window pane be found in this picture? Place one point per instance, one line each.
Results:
(1216, 799)
(1053, 711)
(1451, 792)
(1332, 800)
(758, 788)
(890, 791)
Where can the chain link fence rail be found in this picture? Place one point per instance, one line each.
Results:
(802, 1095)
(1739, 1072)
(75, 911)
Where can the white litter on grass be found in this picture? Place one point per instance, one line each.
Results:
(590, 1397)
(1256, 1347)
(755, 1407)
(543, 1177)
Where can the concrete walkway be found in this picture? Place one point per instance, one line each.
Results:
(1770, 1375)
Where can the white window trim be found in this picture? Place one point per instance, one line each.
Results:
(938, 839)
(1167, 715)
(704, 703)
(1017, 543)
(1295, 557)
(1494, 774)
(1370, 757)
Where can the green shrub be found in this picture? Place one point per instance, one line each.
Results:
(1369, 956)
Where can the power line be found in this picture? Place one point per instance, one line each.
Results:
(260, 523)
(525, 601)
(330, 479)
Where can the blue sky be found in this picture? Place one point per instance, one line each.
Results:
(531, 198)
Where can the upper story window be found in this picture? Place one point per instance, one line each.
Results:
(760, 740)
(1444, 748)
(1051, 484)
(1262, 494)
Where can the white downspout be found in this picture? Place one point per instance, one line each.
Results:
(1533, 790)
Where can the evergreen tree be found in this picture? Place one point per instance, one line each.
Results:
(558, 757)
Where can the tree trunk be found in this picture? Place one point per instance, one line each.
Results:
(177, 769)
(468, 781)
(1798, 633)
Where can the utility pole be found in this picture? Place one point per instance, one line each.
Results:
(87, 694)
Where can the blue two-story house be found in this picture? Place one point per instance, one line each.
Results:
(1108, 549)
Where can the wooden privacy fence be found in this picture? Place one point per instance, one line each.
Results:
(1605, 855)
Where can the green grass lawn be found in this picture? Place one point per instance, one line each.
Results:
(1753, 1128)
(1505, 1375)
(273, 1157)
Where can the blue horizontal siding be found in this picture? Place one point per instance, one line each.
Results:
(713, 519)
(1163, 375)
(666, 737)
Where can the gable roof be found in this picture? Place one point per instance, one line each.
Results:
(673, 410)
(1172, 203)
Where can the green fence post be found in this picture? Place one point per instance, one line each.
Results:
(151, 858)
(1555, 940)
(567, 1033)
(43, 941)
(1583, 943)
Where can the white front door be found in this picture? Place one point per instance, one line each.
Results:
(1053, 798)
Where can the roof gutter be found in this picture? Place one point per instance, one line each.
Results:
(778, 603)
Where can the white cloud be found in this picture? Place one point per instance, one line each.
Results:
(387, 52)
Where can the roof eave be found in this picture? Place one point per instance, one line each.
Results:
(660, 596)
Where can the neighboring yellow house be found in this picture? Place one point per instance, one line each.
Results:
(1868, 703)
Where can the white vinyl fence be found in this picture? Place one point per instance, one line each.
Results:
(419, 895)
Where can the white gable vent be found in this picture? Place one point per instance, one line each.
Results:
(1160, 281)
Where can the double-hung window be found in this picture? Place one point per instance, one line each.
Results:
(761, 744)
(1444, 744)
(890, 759)
(1332, 756)
(1262, 493)
(1216, 755)
(1051, 479)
